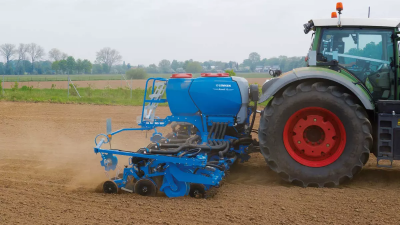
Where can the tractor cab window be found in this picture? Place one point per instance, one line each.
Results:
(366, 53)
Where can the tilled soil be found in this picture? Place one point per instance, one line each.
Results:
(49, 175)
(99, 84)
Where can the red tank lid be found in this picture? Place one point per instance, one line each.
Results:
(181, 75)
(215, 74)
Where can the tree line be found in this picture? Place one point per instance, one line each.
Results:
(250, 64)
(30, 59)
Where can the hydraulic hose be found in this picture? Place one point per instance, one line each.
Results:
(216, 130)
(215, 143)
(223, 131)
(223, 152)
(211, 130)
(192, 139)
(178, 144)
(172, 141)
(243, 140)
(167, 145)
(183, 136)
(216, 166)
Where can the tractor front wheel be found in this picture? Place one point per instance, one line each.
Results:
(314, 134)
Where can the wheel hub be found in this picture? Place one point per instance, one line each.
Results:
(146, 187)
(110, 187)
(314, 134)
(314, 137)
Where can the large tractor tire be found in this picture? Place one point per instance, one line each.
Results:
(315, 134)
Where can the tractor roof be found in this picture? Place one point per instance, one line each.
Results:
(365, 22)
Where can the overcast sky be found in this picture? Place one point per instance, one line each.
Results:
(147, 31)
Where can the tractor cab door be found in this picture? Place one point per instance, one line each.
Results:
(366, 53)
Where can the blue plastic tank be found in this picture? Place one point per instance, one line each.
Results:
(216, 95)
(179, 100)
(211, 94)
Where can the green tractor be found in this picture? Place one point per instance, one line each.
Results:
(323, 121)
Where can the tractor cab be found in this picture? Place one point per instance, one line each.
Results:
(364, 49)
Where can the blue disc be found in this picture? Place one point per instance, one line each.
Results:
(182, 190)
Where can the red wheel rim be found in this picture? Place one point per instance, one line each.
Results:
(314, 137)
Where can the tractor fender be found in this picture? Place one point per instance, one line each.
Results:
(272, 86)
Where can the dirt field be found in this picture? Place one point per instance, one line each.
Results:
(99, 84)
(49, 174)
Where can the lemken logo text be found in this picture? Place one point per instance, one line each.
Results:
(223, 85)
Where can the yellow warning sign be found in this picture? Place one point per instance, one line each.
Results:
(398, 122)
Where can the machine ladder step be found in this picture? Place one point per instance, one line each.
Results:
(385, 139)
(384, 158)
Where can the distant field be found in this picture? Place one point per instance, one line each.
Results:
(89, 77)
(98, 84)
(100, 92)
(107, 96)
(89, 96)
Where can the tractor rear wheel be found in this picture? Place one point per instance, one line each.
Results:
(315, 134)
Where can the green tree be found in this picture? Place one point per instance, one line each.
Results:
(71, 64)
(63, 65)
(45, 67)
(8, 51)
(79, 66)
(246, 62)
(55, 66)
(9, 68)
(2, 68)
(152, 68)
(138, 73)
(124, 67)
(20, 68)
(220, 65)
(86, 66)
(254, 59)
(165, 66)
(27, 66)
(186, 63)
(194, 67)
(174, 64)
(207, 64)
(273, 61)
(105, 68)
(97, 69)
